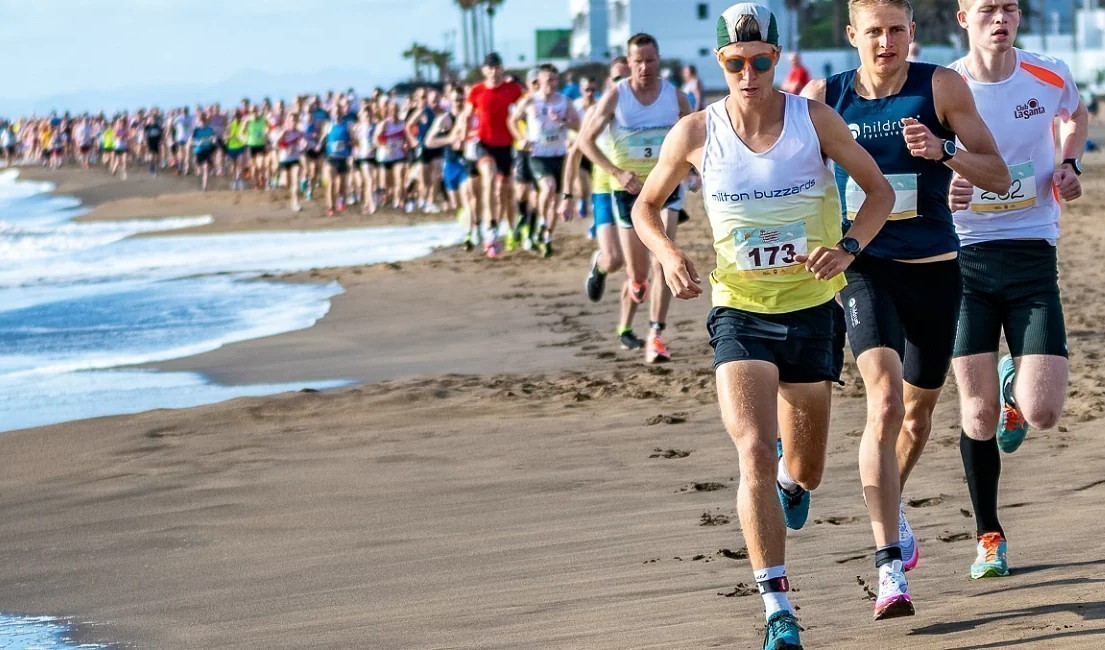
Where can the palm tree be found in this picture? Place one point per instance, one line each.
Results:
(491, 6)
(469, 31)
(420, 55)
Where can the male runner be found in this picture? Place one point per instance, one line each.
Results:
(548, 115)
(1010, 277)
(339, 147)
(490, 101)
(903, 291)
(774, 210)
(154, 131)
(640, 111)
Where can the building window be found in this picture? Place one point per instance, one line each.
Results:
(703, 11)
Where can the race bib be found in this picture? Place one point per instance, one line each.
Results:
(1021, 194)
(770, 251)
(905, 196)
(644, 147)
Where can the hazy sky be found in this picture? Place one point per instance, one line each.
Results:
(67, 47)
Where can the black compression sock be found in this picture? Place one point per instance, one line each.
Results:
(982, 465)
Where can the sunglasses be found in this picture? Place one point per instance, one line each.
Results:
(739, 64)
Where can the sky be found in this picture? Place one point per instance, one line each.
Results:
(79, 54)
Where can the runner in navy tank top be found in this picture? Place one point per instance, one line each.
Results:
(902, 298)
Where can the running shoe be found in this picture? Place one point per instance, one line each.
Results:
(911, 552)
(638, 291)
(1011, 425)
(782, 632)
(796, 505)
(991, 561)
(523, 236)
(655, 350)
(511, 242)
(329, 213)
(893, 600)
(596, 280)
(630, 341)
(493, 249)
(468, 243)
(546, 249)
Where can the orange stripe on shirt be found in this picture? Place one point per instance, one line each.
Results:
(1043, 74)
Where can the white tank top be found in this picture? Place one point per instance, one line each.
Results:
(1020, 112)
(546, 123)
(637, 131)
(362, 147)
(767, 208)
(394, 142)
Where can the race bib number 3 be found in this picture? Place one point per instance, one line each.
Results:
(769, 251)
(905, 196)
(1021, 194)
(644, 147)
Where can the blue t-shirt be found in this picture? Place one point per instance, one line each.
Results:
(338, 141)
(203, 139)
(921, 222)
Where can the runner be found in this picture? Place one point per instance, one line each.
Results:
(391, 154)
(364, 155)
(903, 291)
(1010, 274)
(548, 115)
(490, 102)
(692, 88)
(525, 185)
(640, 111)
(339, 146)
(154, 132)
(429, 158)
(289, 148)
(203, 147)
(122, 141)
(182, 130)
(775, 321)
(454, 171)
(255, 129)
(236, 150)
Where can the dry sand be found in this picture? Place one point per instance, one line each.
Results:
(510, 479)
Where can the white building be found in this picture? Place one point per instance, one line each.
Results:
(685, 30)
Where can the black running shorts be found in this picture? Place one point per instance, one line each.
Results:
(911, 308)
(806, 345)
(1011, 286)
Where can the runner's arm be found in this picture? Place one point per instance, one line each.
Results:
(838, 144)
(598, 118)
(517, 113)
(438, 139)
(981, 163)
(684, 103)
(572, 119)
(1073, 133)
(683, 143)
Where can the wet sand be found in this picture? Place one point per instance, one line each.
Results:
(509, 478)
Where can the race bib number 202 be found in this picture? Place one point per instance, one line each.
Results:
(1021, 194)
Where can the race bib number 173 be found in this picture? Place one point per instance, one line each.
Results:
(767, 251)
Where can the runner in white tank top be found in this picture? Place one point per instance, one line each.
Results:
(776, 328)
(640, 111)
(1008, 259)
(549, 116)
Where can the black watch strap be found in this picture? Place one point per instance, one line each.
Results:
(1075, 165)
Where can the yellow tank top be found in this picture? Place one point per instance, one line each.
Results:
(767, 208)
(637, 131)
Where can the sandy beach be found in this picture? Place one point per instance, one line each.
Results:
(505, 477)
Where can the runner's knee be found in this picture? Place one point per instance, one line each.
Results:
(980, 417)
(758, 457)
(1040, 416)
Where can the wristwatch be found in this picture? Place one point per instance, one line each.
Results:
(1074, 165)
(949, 151)
(850, 245)
(565, 195)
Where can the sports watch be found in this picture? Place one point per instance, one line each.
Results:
(949, 151)
(1074, 165)
(850, 245)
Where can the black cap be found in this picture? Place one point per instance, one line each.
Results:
(493, 60)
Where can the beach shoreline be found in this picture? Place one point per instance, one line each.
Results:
(504, 476)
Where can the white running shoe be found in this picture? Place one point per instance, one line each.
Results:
(893, 600)
(911, 551)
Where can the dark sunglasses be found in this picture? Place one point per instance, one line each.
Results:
(738, 64)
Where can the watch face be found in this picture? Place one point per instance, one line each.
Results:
(949, 147)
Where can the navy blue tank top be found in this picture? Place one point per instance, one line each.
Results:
(921, 223)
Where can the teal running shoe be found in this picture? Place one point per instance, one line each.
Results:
(991, 561)
(782, 632)
(796, 505)
(1012, 428)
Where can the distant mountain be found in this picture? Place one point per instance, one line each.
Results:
(252, 84)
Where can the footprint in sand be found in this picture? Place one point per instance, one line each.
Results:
(674, 418)
(868, 593)
(740, 590)
(739, 554)
(708, 519)
(954, 537)
(669, 453)
(836, 521)
(926, 502)
(851, 558)
(708, 486)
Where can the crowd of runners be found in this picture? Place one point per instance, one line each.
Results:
(908, 208)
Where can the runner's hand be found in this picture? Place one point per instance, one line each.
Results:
(826, 263)
(567, 210)
(960, 193)
(920, 141)
(629, 181)
(680, 275)
(1068, 183)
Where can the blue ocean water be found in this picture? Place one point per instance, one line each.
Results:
(80, 300)
(37, 633)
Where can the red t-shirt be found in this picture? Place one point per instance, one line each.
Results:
(492, 108)
(796, 79)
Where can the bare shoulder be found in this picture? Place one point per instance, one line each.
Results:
(815, 90)
(689, 133)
